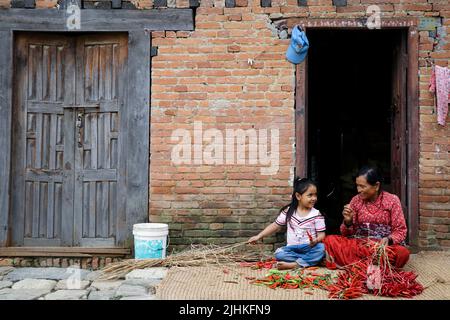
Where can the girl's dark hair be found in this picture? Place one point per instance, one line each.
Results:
(300, 186)
(372, 175)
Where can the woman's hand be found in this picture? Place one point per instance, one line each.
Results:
(254, 239)
(348, 215)
(384, 241)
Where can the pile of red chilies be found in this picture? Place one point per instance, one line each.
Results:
(352, 283)
(265, 264)
(300, 280)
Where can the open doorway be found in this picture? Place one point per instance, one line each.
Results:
(356, 111)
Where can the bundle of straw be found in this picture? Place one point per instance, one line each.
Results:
(197, 255)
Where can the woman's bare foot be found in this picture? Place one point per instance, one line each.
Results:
(286, 265)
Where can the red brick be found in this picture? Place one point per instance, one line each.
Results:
(46, 4)
(158, 34)
(241, 3)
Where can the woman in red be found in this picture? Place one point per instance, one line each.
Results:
(374, 214)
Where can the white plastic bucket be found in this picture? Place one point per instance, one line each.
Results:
(150, 240)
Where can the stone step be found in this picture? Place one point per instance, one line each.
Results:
(102, 295)
(127, 290)
(5, 284)
(106, 285)
(31, 284)
(148, 274)
(46, 273)
(22, 294)
(72, 284)
(67, 295)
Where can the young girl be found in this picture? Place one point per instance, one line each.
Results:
(305, 229)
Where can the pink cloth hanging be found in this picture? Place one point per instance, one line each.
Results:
(439, 84)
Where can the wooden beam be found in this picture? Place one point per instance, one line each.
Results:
(340, 3)
(351, 23)
(63, 4)
(5, 132)
(266, 3)
(98, 20)
(194, 3)
(17, 3)
(62, 252)
(413, 136)
(30, 4)
(160, 3)
(230, 3)
(116, 4)
(138, 106)
(301, 123)
(104, 5)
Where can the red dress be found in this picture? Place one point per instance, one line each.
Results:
(375, 220)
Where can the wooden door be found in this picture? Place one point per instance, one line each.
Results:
(398, 121)
(67, 140)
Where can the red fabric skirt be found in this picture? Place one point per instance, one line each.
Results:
(344, 251)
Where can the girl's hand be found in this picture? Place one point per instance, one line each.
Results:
(254, 239)
(313, 243)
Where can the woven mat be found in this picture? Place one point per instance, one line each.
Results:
(228, 282)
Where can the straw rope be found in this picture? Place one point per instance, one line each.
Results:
(197, 255)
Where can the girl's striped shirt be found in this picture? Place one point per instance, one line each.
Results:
(299, 227)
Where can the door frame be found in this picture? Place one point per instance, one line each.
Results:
(411, 176)
(138, 24)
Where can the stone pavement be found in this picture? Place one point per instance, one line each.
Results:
(76, 284)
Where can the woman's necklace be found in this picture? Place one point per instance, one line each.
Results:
(380, 197)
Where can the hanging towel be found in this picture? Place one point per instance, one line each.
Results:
(439, 84)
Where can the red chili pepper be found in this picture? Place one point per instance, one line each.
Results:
(312, 268)
(309, 236)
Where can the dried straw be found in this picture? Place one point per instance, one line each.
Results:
(197, 255)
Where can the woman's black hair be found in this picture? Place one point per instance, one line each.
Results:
(372, 175)
(300, 186)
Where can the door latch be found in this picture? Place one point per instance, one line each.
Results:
(80, 126)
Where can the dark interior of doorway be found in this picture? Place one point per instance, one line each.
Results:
(349, 113)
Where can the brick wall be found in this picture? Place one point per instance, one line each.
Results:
(204, 76)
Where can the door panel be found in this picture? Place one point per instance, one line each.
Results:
(39, 140)
(100, 70)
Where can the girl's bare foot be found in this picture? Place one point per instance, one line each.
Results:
(286, 265)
